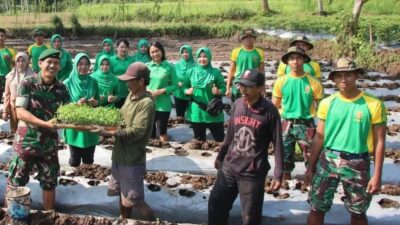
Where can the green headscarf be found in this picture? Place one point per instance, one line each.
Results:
(106, 80)
(142, 57)
(64, 53)
(80, 86)
(203, 75)
(102, 52)
(183, 64)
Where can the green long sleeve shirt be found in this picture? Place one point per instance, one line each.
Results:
(130, 142)
(119, 67)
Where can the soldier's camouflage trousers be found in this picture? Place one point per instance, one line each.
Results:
(300, 131)
(354, 174)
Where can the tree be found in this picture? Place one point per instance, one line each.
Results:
(265, 6)
(358, 4)
(320, 10)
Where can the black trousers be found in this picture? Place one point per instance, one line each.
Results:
(160, 123)
(180, 106)
(216, 129)
(226, 188)
(77, 154)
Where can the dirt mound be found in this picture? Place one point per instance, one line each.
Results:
(388, 203)
(172, 122)
(156, 177)
(93, 171)
(54, 218)
(393, 154)
(106, 140)
(4, 166)
(205, 145)
(158, 144)
(6, 137)
(198, 182)
(391, 189)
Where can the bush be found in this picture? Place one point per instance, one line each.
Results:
(58, 25)
(76, 26)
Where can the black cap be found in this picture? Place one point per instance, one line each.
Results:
(50, 53)
(251, 77)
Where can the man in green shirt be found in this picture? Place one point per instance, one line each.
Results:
(311, 67)
(244, 58)
(351, 126)
(37, 48)
(7, 56)
(296, 95)
(129, 154)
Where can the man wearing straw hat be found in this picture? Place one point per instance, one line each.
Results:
(311, 67)
(296, 95)
(35, 141)
(351, 128)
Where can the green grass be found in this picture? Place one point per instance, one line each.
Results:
(213, 18)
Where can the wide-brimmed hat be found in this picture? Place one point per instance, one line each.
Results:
(295, 50)
(136, 70)
(247, 32)
(251, 78)
(303, 39)
(50, 53)
(344, 65)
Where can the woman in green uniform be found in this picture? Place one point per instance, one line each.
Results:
(119, 63)
(143, 51)
(82, 89)
(66, 60)
(186, 62)
(203, 84)
(107, 82)
(108, 49)
(163, 83)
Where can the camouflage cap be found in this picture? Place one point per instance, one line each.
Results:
(344, 65)
(247, 32)
(303, 39)
(295, 50)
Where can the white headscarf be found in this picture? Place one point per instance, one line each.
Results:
(15, 76)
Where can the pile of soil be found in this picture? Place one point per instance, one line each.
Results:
(393, 154)
(158, 144)
(172, 122)
(93, 171)
(156, 177)
(388, 203)
(198, 182)
(106, 140)
(205, 145)
(391, 189)
(6, 137)
(179, 151)
(54, 218)
(4, 166)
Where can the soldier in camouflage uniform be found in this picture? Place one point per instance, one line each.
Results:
(352, 126)
(296, 95)
(36, 138)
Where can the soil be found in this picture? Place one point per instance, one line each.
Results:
(205, 145)
(173, 122)
(393, 154)
(54, 218)
(93, 171)
(391, 189)
(388, 203)
(159, 144)
(198, 182)
(6, 137)
(221, 48)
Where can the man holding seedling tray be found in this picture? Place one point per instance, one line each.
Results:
(36, 138)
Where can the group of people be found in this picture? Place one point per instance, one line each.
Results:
(350, 129)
